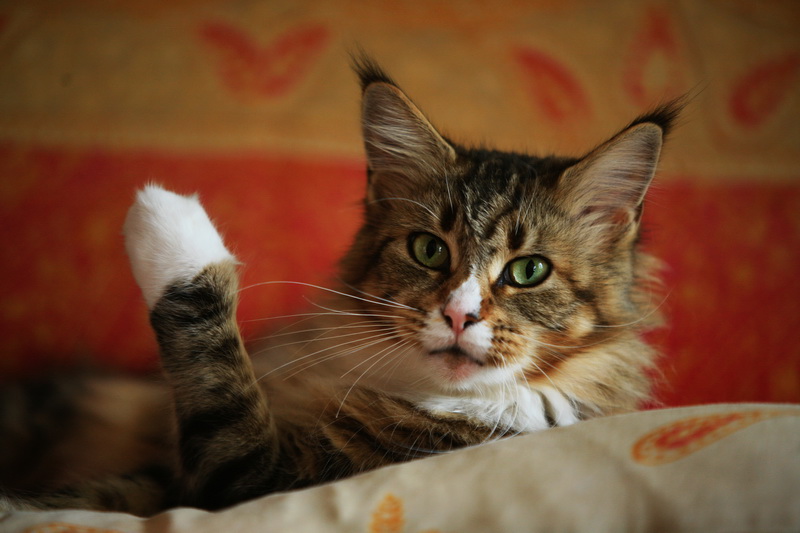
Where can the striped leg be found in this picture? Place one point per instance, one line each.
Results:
(226, 436)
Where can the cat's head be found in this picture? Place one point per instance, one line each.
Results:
(501, 266)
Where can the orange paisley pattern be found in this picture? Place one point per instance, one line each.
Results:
(389, 517)
(679, 439)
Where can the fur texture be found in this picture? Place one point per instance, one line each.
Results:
(486, 294)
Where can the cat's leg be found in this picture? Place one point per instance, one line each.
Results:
(142, 494)
(189, 280)
(50, 431)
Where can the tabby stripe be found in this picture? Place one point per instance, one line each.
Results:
(357, 272)
(447, 218)
(332, 464)
(491, 228)
(361, 445)
(516, 238)
(238, 479)
(194, 305)
(588, 297)
(197, 429)
(548, 411)
(225, 349)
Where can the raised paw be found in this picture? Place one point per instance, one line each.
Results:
(169, 238)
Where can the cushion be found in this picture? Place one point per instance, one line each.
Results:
(727, 467)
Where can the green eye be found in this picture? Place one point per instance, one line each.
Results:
(528, 271)
(429, 250)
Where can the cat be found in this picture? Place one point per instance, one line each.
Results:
(487, 294)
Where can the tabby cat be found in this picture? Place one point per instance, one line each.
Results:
(487, 294)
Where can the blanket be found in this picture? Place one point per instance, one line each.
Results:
(726, 467)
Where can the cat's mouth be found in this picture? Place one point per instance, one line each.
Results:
(458, 352)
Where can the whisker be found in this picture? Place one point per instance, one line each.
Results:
(281, 317)
(286, 330)
(399, 345)
(381, 336)
(319, 287)
(520, 217)
(391, 350)
(344, 351)
(398, 360)
(320, 337)
(449, 196)
(423, 206)
(352, 325)
(308, 316)
(542, 372)
(642, 318)
(344, 312)
(387, 300)
(569, 346)
(311, 316)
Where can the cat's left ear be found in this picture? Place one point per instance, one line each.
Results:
(397, 134)
(606, 188)
(403, 147)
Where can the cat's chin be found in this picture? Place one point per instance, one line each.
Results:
(456, 365)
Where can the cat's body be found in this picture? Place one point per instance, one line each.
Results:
(487, 294)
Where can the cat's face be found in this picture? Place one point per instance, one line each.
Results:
(489, 266)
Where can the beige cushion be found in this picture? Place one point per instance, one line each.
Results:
(704, 468)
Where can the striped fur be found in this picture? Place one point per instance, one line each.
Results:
(408, 358)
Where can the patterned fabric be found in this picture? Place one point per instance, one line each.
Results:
(252, 104)
(708, 468)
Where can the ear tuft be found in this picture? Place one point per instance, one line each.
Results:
(368, 71)
(664, 116)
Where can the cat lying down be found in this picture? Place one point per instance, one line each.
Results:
(486, 294)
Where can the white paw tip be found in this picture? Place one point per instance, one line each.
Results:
(169, 237)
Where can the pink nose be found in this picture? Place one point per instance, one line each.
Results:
(458, 320)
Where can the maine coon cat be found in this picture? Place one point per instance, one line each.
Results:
(486, 294)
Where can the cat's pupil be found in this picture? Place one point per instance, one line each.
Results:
(531, 266)
(431, 248)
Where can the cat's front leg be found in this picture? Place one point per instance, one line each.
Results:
(227, 445)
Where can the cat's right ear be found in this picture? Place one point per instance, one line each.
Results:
(402, 146)
(605, 190)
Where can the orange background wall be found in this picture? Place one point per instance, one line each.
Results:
(252, 104)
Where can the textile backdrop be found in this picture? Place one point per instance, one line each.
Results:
(252, 104)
